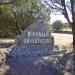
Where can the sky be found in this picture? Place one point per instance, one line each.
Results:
(55, 17)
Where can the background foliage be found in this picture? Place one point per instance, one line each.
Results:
(16, 16)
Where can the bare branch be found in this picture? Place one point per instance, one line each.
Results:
(59, 6)
(65, 11)
(53, 6)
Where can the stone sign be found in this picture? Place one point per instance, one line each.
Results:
(26, 57)
(34, 41)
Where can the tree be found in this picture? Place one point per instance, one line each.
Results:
(65, 7)
(26, 11)
(57, 25)
(7, 21)
(61, 6)
(22, 13)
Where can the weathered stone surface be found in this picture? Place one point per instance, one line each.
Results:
(31, 45)
(31, 66)
(34, 41)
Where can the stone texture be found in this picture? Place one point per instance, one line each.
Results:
(25, 57)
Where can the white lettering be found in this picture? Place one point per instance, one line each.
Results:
(31, 40)
(29, 34)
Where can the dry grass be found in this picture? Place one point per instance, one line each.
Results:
(63, 40)
(67, 29)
